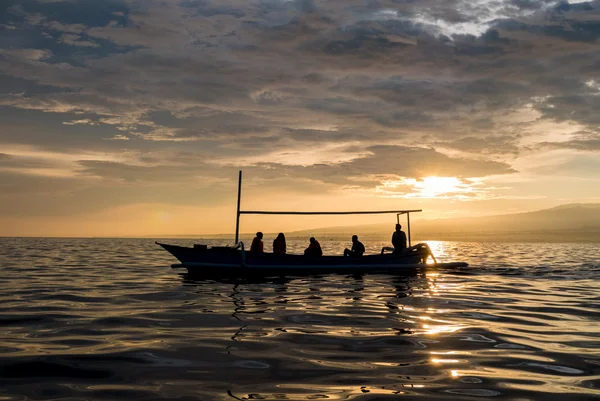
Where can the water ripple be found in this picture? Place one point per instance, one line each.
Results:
(106, 318)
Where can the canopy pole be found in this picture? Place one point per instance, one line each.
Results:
(237, 218)
(408, 228)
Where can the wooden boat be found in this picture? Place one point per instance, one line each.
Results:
(235, 260)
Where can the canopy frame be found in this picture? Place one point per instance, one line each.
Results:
(240, 212)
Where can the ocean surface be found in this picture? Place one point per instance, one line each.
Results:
(106, 319)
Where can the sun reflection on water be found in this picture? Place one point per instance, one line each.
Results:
(437, 360)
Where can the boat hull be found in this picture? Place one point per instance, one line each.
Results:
(227, 260)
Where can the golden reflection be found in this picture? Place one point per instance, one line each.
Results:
(438, 248)
(450, 353)
(433, 330)
(442, 361)
(454, 373)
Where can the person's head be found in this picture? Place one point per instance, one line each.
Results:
(281, 237)
(398, 227)
(354, 238)
(312, 240)
(259, 235)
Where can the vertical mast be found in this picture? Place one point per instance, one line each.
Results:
(408, 228)
(237, 216)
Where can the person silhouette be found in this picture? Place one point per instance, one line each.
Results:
(357, 248)
(279, 246)
(399, 239)
(314, 248)
(257, 244)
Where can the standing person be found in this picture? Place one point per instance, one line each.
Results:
(314, 248)
(399, 239)
(279, 246)
(257, 244)
(357, 248)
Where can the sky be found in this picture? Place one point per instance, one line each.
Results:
(133, 117)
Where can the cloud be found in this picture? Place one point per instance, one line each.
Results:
(25, 54)
(76, 40)
(591, 145)
(118, 138)
(580, 141)
(422, 162)
(420, 100)
(489, 145)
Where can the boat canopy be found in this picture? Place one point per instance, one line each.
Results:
(398, 212)
(272, 212)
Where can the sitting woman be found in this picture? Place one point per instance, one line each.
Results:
(279, 246)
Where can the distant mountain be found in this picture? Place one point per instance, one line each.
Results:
(573, 222)
(573, 216)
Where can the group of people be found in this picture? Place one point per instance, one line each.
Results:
(314, 248)
(280, 246)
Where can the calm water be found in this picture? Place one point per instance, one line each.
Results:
(100, 319)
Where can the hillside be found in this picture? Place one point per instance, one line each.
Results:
(566, 223)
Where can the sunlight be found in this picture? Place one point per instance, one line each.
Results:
(438, 329)
(431, 187)
(434, 187)
(441, 361)
(438, 249)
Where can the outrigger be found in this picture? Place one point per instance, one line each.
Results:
(235, 260)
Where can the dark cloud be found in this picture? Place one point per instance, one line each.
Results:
(12, 84)
(580, 108)
(581, 141)
(209, 9)
(489, 145)
(223, 81)
(96, 13)
(61, 28)
(324, 136)
(571, 31)
(419, 162)
(591, 145)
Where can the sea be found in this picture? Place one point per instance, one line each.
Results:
(109, 319)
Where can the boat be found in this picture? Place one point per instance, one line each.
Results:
(236, 260)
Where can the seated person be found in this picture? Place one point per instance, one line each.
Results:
(257, 244)
(357, 248)
(314, 249)
(399, 239)
(279, 246)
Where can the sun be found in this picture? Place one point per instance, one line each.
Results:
(433, 187)
(430, 187)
